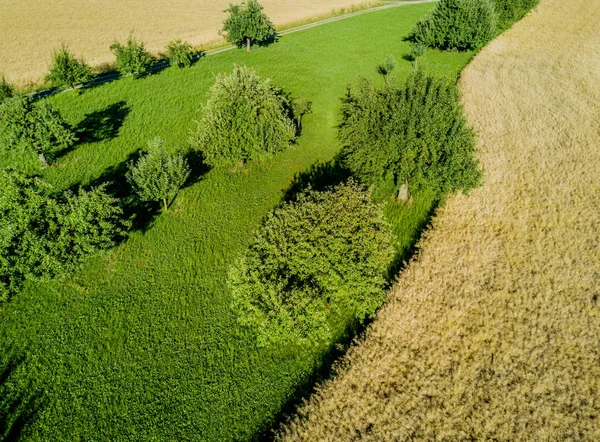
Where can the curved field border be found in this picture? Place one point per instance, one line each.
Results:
(492, 332)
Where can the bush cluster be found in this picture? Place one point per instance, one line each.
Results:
(42, 237)
(414, 135)
(315, 264)
(245, 118)
(67, 71)
(132, 57)
(179, 53)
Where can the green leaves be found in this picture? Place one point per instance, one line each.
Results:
(245, 118)
(66, 70)
(247, 24)
(315, 265)
(37, 128)
(132, 58)
(415, 135)
(42, 237)
(179, 53)
(158, 175)
(458, 24)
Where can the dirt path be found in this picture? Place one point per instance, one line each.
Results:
(494, 331)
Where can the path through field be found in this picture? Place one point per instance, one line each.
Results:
(493, 332)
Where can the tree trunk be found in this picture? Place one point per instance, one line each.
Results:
(165, 204)
(42, 158)
(248, 44)
(403, 193)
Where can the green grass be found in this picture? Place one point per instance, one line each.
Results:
(142, 343)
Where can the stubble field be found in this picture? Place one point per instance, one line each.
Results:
(492, 332)
(31, 30)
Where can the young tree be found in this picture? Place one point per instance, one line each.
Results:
(245, 118)
(37, 127)
(66, 70)
(42, 237)
(158, 174)
(410, 137)
(179, 53)
(457, 24)
(132, 58)
(247, 23)
(386, 69)
(6, 90)
(315, 265)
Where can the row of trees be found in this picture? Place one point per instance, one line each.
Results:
(246, 25)
(468, 24)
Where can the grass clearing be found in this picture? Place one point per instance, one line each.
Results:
(492, 332)
(142, 344)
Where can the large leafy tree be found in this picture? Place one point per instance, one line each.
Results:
(36, 127)
(247, 24)
(42, 236)
(245, 118)
(68, 71)
(409, 137)
(458, 24)
(315, 265)
(158, 174)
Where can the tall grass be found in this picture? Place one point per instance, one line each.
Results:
(492, 333)
(142, 344)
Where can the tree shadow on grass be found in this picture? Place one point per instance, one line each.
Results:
(103, 124)
(19, 403)
(319, 177)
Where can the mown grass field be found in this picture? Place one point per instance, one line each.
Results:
(142, 344)
(31, 30)
(493, 332)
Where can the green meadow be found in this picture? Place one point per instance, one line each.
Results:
(142, 343)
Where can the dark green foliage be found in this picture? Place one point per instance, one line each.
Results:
(386, 69)
(247, 24)
(6, 90)
(457, 24)
(510, 11)
(314, 264)
(66, 70)
(132, 58)
(417, 49)
(158, 174)
(415, 135)
(33, 127)
(42, 237)
(179, 53)
(245, 118)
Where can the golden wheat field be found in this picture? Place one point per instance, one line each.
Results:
(493, 331)
(31, 29)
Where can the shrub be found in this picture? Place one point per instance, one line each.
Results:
(510, 11)
(66, 70)
(413, 136)
(245, 118)
(42, 237)
(179, 53)
(33, 127)
(132, 58)
(315, 264)
(247, 23)
(6, 90)
(158, 175)
(457, 24)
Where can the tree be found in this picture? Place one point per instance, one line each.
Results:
(132, 58)
(247, 23)
(158, 175)
(43, 237)
(66, 70)
(245, 118)
(386, 69)
(457, 24)
(36, 127)
(410, 137)
(6, 90)
(315, 265)
(179, 53)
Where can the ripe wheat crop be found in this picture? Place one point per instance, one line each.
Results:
(493, 331)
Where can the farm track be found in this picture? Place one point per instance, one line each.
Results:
(492, 332)
(160, 65)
